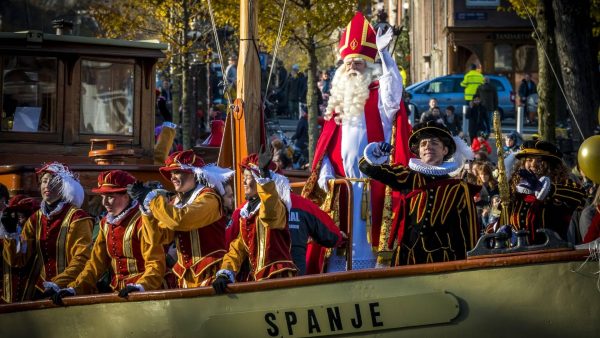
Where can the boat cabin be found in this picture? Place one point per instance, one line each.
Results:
(78, 100)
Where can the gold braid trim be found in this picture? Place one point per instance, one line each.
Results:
(384, 254)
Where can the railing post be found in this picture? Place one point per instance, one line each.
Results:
(465, 123)
(520, 113)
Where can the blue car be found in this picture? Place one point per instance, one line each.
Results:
(448, 92)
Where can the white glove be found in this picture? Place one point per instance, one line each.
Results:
(545, 190)
(383, 39)
(323, 182)
(51, 285)
(377, 153)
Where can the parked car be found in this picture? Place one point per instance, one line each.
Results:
(447, 90)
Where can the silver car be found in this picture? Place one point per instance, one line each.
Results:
(448, 92)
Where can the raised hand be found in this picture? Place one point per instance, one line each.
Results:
(264, 160)
(383, 39)
(138, 191)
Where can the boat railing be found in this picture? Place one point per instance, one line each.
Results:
(349, 212)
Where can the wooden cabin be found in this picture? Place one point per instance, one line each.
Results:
(66, 98)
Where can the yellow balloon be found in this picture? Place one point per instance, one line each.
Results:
(588, 158)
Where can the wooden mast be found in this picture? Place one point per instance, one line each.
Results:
(244, 122)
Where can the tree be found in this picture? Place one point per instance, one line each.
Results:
(566, 35)
(171, 21)
(311, 25)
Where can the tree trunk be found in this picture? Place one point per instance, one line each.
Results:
(577, 63)
(312, 98)
(185, 100)
(547, 82)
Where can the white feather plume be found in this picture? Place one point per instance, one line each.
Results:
(462, 154)
(71, 190)
(214, 176)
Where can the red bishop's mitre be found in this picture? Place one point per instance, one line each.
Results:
(358, 39)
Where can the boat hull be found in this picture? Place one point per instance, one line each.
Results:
(524, 296)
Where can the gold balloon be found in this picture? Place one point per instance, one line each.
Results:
(588, 158)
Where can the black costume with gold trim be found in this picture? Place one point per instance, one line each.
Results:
(440, 221)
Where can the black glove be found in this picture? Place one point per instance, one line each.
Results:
(127, 290)
(264, 160)
(48, 293)
(58, 296)
(138, 191)
(385, 147)
(10, 221)
(220, 284)
(529, 180)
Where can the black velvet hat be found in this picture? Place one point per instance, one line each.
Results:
(431, 129)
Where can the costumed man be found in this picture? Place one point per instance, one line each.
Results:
(18, 282)
(264, 237)
(194, 218)
(58, 236)
(542, 194)
(437, 220)
(362, 108)
(131, 250)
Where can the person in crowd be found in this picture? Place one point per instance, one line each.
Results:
(437, 221)
(296, 88)
(324, 83)
(433, 102)
(480, 143)
(131, 250)
(526, 89)
(478, 118)
(165, 91)
(231, 71)
(217, 129)
(161, 107)
(489, 188)
(280, 154)
(488, 94)
(16, 286)
(410, 107)
(300, 139)
(453, 121)
(58, 235)
(542, 194)
(511, 143)
(434, 114)
(470, 82)
(360, 110)
(194, 218)
(264, 236)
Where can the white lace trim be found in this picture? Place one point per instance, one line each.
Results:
(444, 169)
(191, 199)
(116, 219)
(59, 207)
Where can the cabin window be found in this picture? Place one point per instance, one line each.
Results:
(29, 94)
(106, 98)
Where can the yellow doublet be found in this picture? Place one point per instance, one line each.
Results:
(203, 211)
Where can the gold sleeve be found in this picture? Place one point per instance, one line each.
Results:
(10, 254)
(98, 263)
(272, 211)
(205, 210)
(166, 235)
(163, 145)
(79, 240)
(154, 256)
(234, 258)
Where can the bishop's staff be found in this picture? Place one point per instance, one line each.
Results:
(502, 179)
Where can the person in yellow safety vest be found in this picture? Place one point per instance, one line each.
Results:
(471, 81)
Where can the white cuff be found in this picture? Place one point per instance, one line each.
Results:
(145, 207)
(227, 273)
(262, 180)
(169, 125)
(370, 157)
(525, 191)
(51, 285)
(546, 185)
(138, 286)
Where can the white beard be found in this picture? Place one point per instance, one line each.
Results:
(349, 92)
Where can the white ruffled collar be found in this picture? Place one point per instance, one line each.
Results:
(182, 204)
(444, 169)
(53, 212)
(118, 218)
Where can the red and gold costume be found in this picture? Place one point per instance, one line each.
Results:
(554, 210)
(131, 250)
(60, 242)
(18, 282)
(264, 237)
(195, 221)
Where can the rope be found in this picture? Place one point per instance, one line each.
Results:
(226, 84)
(275, 50)
(553, 71)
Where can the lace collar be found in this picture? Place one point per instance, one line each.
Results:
(181, 204)
(117, 219)
(51, 213)
(444, 169)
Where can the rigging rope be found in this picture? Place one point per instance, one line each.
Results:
(275, 49)
(226, 84)
(553, 71)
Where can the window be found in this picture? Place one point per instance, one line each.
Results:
(106, 98)
(440, 86)
(497, 84)
(526, 59)
(503, 58)
(29, 94)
